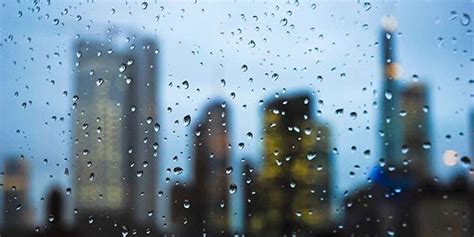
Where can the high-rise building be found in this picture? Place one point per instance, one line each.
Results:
(17, 213)
(183, 215)
(202, 206)
(471, 144)
(293, 185)
(115, 129)
(212, 158)
(250, 196)
(389, 104)
(415, 128)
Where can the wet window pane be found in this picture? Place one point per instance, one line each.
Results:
(236, 118)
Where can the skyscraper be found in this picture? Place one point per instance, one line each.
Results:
(17, 212)
(250, 193)
(212, 158)
(115, 129)
(293, 185)
(202, 206)
(416, 144)
(389, 119)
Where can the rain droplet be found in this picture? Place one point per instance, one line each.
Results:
(232, 188)
(465, 19)
(275, 76)
(249, 135)
(244, 68)
(186, 203)
(177, 170)
(405, 149)
(187, 120)
(251, 44)
(466, 160)
(122, 67)
(99, 81)
(367, 6)
(185, 84)
(311, 155)
(353, 115)
(144, 5)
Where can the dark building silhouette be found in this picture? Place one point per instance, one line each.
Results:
(182, 215)
(17, 213)
(400, 198)
(414, 124)
(389, 208)
(203, 207)
(55, 225)
(389, 103)
(250, 195)
(293, 185)
(115, 149)
(471, 143)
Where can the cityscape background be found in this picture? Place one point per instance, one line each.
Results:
(215, 52)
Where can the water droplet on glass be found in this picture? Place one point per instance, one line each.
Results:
(466, 160)
(367, 6)
(187, 120)
(251, 44)
(122, 67)
(404, 149)
(185, 84)
(275, 76)
(177, 170)
(249, 135)
(186, 204)
(99, 81)
(465, 19)
(232, 188)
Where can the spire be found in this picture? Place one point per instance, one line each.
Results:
(389, 24)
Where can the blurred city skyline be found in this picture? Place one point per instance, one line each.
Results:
(320, 61)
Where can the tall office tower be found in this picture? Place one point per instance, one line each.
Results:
(294, 181)
(17, 214)
(250, 196)
(389, 128)
(115, 129)
(183, 214)
(211, 183)
(471, 143)
(415, 129)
